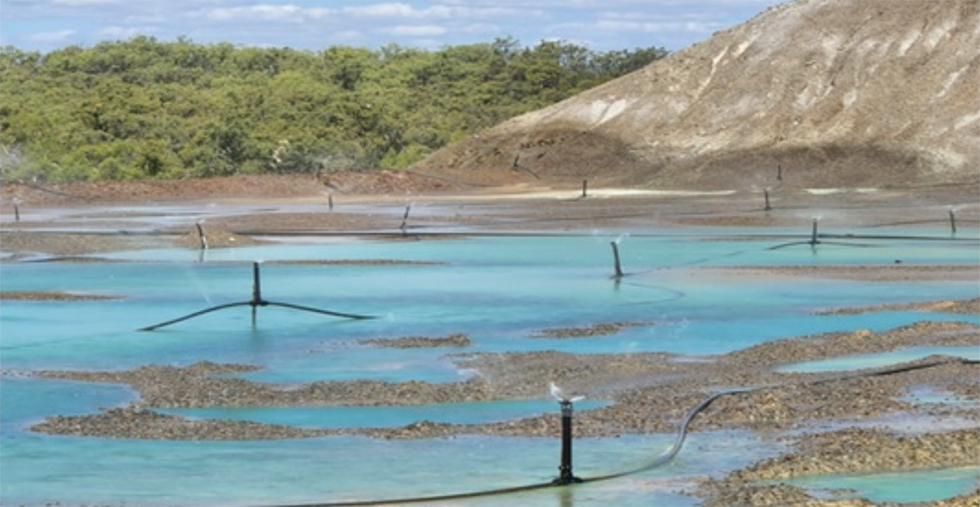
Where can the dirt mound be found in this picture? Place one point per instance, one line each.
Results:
(854, 92)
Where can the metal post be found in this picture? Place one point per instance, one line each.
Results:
(952, 222)
(565, 475)
(768, 207)
(585, 188)
(813, 234)
(201, 236)
(256, 291)
(404, 226)
(617, 266)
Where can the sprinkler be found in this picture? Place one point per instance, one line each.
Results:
(404, 226)
(256, 302)
(616, 264)
(565, 475)
(202, 236)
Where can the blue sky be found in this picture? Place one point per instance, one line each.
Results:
(601, 25)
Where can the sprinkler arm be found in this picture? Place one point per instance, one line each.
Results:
(256, 302)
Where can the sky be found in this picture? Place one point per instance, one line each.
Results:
(600, 25)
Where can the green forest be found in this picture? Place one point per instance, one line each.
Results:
(144, 108)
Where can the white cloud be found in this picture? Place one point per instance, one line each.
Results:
(84, 3)
(417, 30)
(480, 28)
(59, 36)
(389, 10)
(435, 12)
(655, 26)
(261, 12)
(264, 13)
(120, 32)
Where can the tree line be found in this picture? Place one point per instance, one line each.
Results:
(144, 108)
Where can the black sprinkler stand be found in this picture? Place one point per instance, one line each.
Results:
(565, 475)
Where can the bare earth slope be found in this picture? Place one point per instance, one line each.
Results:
(847, 93)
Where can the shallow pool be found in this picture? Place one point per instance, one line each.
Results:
(898, 487)
(501, 291)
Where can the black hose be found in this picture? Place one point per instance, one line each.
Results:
(657, 462)
(195, 314)
(353, 316)
(254, 304)
(678, 442)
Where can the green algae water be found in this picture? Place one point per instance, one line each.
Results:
(501, 291)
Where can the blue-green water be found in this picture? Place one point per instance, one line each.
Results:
(882, 359)
(898, 487)
(500, 291)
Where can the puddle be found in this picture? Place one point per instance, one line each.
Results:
(858, 362)
(501, 291)
(896, 487)
(926, 394)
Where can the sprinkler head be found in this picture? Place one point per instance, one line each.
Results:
(560, 396)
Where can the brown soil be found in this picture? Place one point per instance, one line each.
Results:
(244, 187)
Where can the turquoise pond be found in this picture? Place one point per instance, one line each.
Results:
(905, 487)
(500, 290)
